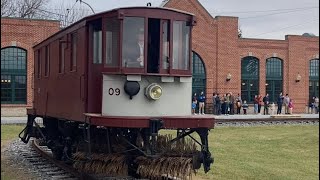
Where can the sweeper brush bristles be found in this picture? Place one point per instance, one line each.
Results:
(169, 159)
(154, 168)
(111, 164)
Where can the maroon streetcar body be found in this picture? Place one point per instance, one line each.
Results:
(66, 89)
(108, 83)
(143, 122)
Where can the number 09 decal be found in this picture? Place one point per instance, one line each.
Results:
(115, 91)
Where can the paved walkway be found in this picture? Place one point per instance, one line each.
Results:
(23, 120)
(258, 116)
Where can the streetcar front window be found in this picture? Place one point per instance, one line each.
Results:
(133, 43)
(181, 36)
(165, 44)
(96, 36)
(112, 41)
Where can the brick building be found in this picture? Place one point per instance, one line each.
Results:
(18, 36)
(254, 66)
(222, 62)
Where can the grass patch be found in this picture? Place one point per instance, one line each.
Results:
(265, 152)
(8, 170)
(288, 152)
(10, 132)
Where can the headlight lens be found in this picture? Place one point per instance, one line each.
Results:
(154, 91)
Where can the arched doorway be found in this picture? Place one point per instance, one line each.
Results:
(274, 78)
(313, 78)
(249, 78)
(13, 75)
(198, 74)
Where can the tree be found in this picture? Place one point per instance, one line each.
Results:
(71, 13)
(7, 8)
(39, 9)
(21, 8)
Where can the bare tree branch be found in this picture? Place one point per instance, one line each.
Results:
(39, 9)
(72, 12)
(7, 8)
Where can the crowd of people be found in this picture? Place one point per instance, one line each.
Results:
(229, 104)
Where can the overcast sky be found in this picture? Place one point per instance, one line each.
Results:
(272, 19)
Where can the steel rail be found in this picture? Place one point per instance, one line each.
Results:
(268, 120)
(60, 164)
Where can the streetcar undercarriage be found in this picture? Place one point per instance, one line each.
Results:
(138, 152)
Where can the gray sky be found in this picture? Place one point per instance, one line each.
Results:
(272, 19)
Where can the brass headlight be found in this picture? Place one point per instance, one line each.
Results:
(154, 91)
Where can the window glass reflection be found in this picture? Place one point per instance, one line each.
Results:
(133, 42)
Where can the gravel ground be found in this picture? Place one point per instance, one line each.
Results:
(16, 153)
(261, 123)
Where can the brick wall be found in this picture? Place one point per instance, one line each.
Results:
(25, 33)
(216, 41)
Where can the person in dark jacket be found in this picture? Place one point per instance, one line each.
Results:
(218, 105)
(266, 104)
(279, 103)
(245, 106)
(214, 106)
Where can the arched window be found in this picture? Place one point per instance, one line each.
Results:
(198, 74)
(13, 75)
(249, 78)
(274, 78)
(313, 78)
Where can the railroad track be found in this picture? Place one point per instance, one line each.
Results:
(266, 121)
(62, 170)
(68, 169)
(40, 162)
(41, 168)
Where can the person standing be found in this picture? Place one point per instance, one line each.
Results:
(266, 104)
(286, 101)
(279, 103)
(238, 104)
(245, 106)
(311, 105)
(223, 104)
(202, 99)
(232, 103)
(214, 106)
(194, 103)
(255, 104)
(259, 103)
(218, 104)
(227, 103)
(290, 106)
(316, 104)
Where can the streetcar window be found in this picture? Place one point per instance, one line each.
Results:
(96, 35)
(181, 35)
(153, 45)
(165, 44)
(133, 42)
(39, 63)
(62, 55)
(73, 60)
(112, 41)
(47, 61)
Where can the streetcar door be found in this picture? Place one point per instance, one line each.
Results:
(153, 45)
